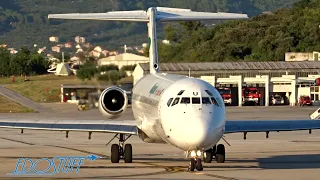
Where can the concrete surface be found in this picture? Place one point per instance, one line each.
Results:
(285, 155)
(23, 100)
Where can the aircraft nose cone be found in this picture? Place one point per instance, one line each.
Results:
(197, 132)
(197, 135)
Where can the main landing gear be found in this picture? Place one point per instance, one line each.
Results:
(218, 152)
(121, 150)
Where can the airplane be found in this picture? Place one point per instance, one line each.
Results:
(182, 111)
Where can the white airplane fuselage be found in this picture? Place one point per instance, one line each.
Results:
(186, 120)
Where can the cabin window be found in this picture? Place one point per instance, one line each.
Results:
(214, 101)
(206, 100)
(169, 102)
(181, 92)
(185, 100)
(210, 94)
(176, 101)
(195, 100)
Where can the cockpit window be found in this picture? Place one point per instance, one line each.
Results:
(210, 94)
(176, 101)
(185, 100)
(169, 101)
(195, 100)
(206, 100)
(181, 92)
(214, 101)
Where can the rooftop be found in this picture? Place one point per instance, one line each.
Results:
(211, 66)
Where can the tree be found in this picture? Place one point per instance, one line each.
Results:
(5, 62)
(20, 62)
(38, 64)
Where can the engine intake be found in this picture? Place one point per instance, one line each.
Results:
(113, 102)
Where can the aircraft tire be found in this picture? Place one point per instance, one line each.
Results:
(199, 166)
(128, 153)
(207, 157)
(221, 154)
(115, 154)
(192, 165)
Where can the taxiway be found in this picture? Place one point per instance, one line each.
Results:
(285, 155)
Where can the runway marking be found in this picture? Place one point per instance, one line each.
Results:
(306, 141)
(221, 177)
(167, 169)
(17, 141)
(79, 150)
(179, 170)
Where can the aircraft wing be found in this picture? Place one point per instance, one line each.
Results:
(135, 16)
(174, 14)
(164, 14)
(270, 125)
(105, 126)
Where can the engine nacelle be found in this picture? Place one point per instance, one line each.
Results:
(113, 102)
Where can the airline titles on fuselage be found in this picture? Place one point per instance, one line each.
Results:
(156, 90)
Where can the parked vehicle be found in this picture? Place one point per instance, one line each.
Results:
(305, 100)
(277, 100)
(250, 95)
(226, 95)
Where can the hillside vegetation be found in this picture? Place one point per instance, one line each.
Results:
(261, 38)
(25, 23)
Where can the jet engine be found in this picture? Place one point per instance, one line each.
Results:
(113, 102)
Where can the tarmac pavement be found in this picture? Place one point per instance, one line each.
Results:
(285, 155)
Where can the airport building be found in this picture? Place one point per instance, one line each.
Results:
(124, 59)
(290, 80)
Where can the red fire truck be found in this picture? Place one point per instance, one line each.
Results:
(250, 95)
(226, 95)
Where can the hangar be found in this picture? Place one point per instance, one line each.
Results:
(291, 79)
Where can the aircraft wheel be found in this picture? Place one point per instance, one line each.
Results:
(192, 164)
(115, 154)
(207, 157)
(128, 153)
(221, 154)
(199, 165)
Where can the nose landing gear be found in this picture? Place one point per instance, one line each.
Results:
(195, 163)
(195, 160)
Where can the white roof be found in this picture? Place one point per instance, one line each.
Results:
(126, 57)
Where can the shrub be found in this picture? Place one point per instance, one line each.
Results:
(110, 76)
(86, 72)
(110, 67)
(128, 67)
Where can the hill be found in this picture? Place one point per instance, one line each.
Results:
(262, 38)
(24, 22)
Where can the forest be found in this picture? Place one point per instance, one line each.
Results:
(25, 23)
(262, 38)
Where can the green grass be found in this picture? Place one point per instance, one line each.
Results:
(46, 88)
(8, 106)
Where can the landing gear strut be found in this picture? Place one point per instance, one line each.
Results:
(121, 150)
(218, 152)
(195, 163)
